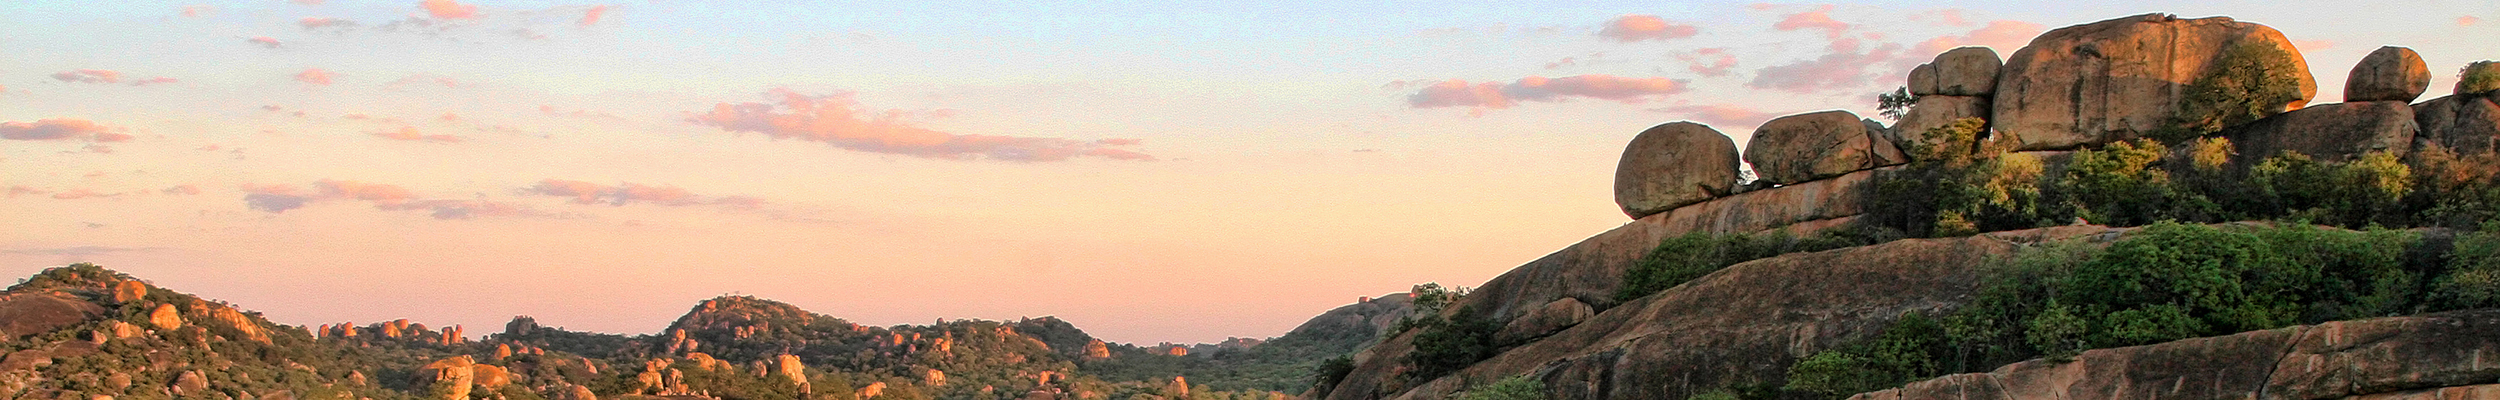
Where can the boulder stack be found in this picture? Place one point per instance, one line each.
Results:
(2460, 123)
(1673, 165)
(2388, 74)
(2120, 79)
(1805, 147)
(1964, 83)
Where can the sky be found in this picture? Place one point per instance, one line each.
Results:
(1149, 171)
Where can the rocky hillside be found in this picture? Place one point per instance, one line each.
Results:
(85, 332)
(1997, 222)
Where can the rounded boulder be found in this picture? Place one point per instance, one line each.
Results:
(2123, 78)
(2389, 74)
(1672, 165)
(1805, 147)
(1967, 71)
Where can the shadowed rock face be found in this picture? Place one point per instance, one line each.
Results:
(2429, 357)
(1805, 147)
(1743, 324)
(2388, 74)
(1935, 111)
(1672, 165)
(2118, 79)
(25, 314)
(2328, 132)
(2464, 124)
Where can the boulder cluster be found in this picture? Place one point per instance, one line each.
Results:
(2074, 87)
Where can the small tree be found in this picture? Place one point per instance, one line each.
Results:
(1896, 103)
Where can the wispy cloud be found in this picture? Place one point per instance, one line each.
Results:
(840, 121)
(265, 41)
(1481, 96)
(1710, 62)
(1724, 116)
(61, 129)
(89, 76)
(276, 199)
(582, 192)
(591, 16)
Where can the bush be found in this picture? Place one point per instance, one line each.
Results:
(1683, 258)
(1451, 344)
(2251, 80)
(2118, 185)
(1512, 388)
(2479, 77)
(2356, 193)
(1909, 349)
(1330, 373)
(2473, 280)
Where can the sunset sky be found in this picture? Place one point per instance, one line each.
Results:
(1150, 171)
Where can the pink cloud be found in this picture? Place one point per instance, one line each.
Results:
(315, 76)
(1120, 142)
(409, 133)
(1490, 95)
(89, 76)
(839, 121)
(265, 41)
(591, 16)
(448, 9)
(280, 198)
(312, 23)
(153, 81)
(1820, 19)
(60, 129)
(1836, 71)
(1721, 115)
(1711, 62)
(22, 190)
(2468, 20)
(1634, 28)
(181, 190)
(195, 11)
(2002, 35)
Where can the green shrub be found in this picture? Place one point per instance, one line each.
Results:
(2479, 77)
(1512, 388)
(2118, 185)
(1681, 259)
(1909, 349)
(1330, 373)
(1450, 344)
(2473, 280)
(2354, 193)
(2250, 80)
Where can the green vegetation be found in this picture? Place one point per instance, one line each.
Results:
(2162, 283)
(1512, 388)
(1448, 344)
(2251, 80)
(2479, 77)
(1896, 103)
(1683, 258)
(1962, 183)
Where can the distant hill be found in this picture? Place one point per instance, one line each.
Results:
(83, 331)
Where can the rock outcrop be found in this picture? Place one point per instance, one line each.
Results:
(2119, 79)
(2428, 356)
(789, 367)
(1742, 324)
(1672, 165)
(1967, 71)
(1592, 269)
(129, 291)
(2388, 74)
(2466, 125)
(449, 378)
(1806, 147)
(2329, 132)
(2486, 85)
(165, 317)
(26, 314)
(1553, 317)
